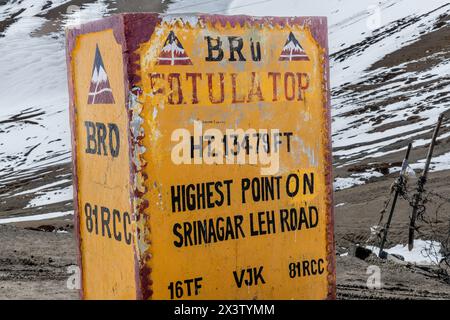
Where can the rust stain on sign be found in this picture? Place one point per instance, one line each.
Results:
(224, 166)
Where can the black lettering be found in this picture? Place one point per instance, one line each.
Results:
(292, 193)
(313, 267)
(220, 229)
(284, 215)
(175, 229)
(320, 266)
(209, 194)
(190, 197)
(176, 198)
(114, 139)
(90, 137)
(221, 199)
(256, 53)
(252, 230)
(116, 221)
(101, 138)
(212, 48)
(249, 281)
(303, 219)
(89, 221)
(313, 217)
(239, 280)
(187, 234)
(212, 232)
(305, 267)
(126, 220)
(106, 216)
(198, 147)
(308, 182)
(238, 226)
(258, 275)
(236, 44)
(245, 183)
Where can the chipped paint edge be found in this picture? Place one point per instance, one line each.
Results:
(327, 147)
(70, 43)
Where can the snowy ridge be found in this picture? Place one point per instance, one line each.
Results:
(389, 75)
(389, 83)
(34, 120)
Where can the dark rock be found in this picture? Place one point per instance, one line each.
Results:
(400, 257)
(360, 252)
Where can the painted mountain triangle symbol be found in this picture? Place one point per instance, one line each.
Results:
(293, 50)
(173, 52)
(100, 91)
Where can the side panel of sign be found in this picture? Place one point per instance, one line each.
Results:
(105, 220)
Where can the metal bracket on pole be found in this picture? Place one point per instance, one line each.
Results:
(417, 198)
(400, 181)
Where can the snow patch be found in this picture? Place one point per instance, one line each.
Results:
(355, 180)
(425, 252)
(36, 217)
(49, 197)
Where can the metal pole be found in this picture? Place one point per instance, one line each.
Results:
(421, 183)
(394, 202)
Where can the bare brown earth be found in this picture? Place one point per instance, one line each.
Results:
(33, 264)
(359, 210)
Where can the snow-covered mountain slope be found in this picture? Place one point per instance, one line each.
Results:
(35, 168)
(390, 80)
(35, 157)
(390, 77)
